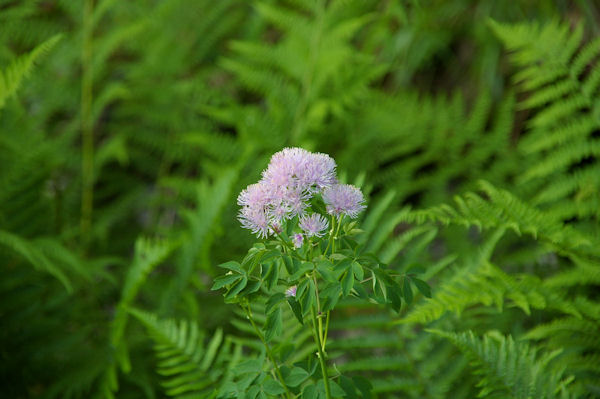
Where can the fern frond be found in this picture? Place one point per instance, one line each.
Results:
(510, 369)
(189, 367)
(501, 209)
(584, 273)
(12, 77)
(579, 341)
(560, 142)
(486, 285)
(35, 256)
(148, 254)
(571, 327)
(210, 201)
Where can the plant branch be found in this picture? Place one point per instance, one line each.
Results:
(248, 311)
(321, 355)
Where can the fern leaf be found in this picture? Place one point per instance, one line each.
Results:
(12, 77)
(188, 367)
(552, 60)
(34, 256)
(509, 369)
(501, 209)
(148, 255)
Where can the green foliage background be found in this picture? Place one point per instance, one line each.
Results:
(127, 129)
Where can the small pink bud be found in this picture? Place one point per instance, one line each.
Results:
(291, 291)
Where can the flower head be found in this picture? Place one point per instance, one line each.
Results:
(255, 219)
(319, 172)
(297, 202)
(255, 195)
(344, 199)
(297, 240)
(314, 225)
(286, 168)
(298, 169)
(292, 178)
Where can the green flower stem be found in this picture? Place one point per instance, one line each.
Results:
(321, 355)
(326, 330)
(283, 241)
(337, 231)
(248, 311)
(331, 234)
(319, 316)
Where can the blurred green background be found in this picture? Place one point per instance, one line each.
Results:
(132, 133)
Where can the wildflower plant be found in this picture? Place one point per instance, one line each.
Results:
(308, 260)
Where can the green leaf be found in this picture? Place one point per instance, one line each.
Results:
(337, 256)
(225, 280)
(304, 268)
(252, 253)
(252, 393)
(347, 282)
(249, 366)
(325, 270)
(348, 387)
(331, 290)
(370, 259)
(252, 286)
(344, 264)
(301, 288)
(380, 290)
(290, 264)
(295, 306)
(309, 392)
(266, 270)
(336, 390)
(274, 300)
(273, 325)
(236, 288)
(423, 287)
(394, 297)
(361, 292)
(233, 266)
(273, 276)
(331, 293)
(272, 387)
(308, 298)
(407, 291)
(364, 386)
(296, 376)
(358, 271)
(270, 254)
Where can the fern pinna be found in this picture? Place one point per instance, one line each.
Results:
(551, 309)
(560, 73)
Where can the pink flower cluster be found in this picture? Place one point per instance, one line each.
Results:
(292, 178)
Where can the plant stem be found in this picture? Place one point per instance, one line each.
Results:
(248, 311)
(283, 241)
(330, 234)
(87, 126)
(337, 231)
(319, 318)
(326, 330)
(321, 356)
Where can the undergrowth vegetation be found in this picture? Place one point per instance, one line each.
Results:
(128, 128)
